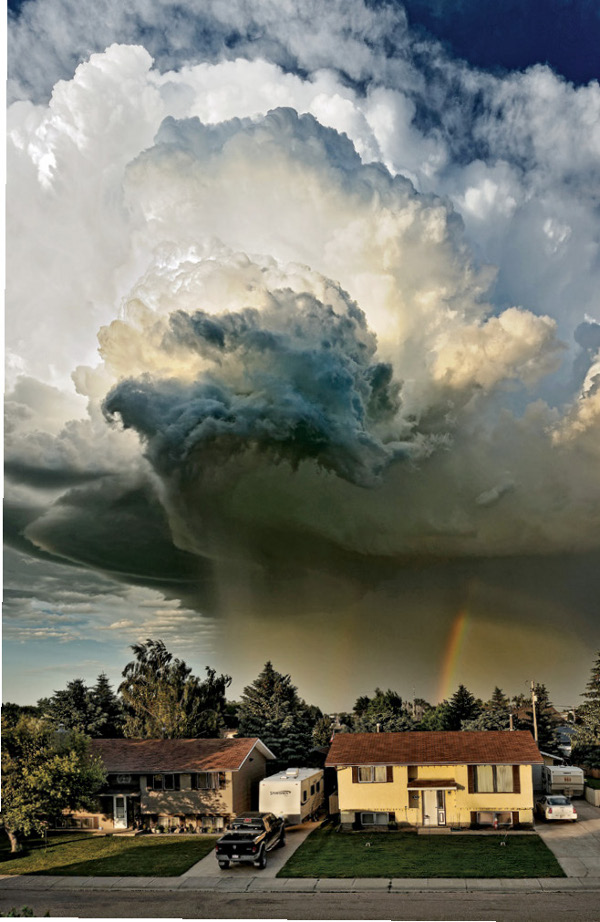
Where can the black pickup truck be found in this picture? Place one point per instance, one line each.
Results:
(249, 837)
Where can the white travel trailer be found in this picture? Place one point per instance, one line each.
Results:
(294, 794)
(563, 779)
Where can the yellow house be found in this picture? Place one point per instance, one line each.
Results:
(440, 778)
(191, 784)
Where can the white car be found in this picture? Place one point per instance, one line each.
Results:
(556, 807)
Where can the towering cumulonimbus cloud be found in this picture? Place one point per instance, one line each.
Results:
(319, 310)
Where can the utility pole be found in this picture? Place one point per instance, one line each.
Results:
(533, 700)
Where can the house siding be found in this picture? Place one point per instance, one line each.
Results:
(407, 805)
(244, 794)
(187, 802)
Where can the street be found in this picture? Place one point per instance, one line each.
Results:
(576, 906)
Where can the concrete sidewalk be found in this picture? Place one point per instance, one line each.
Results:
(242, 883)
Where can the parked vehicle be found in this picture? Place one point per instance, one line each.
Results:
(556, 807)
(294, 794)
(249, 838)
(563, 779)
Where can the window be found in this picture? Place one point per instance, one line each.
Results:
(304, 796)
(312, 790)
(370, 774)
(374, 819)
(205, 781)
(318, 786)
(163, 782)
(493, 779)
(504, 778)
(487, 817)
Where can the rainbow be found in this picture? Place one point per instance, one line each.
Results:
(452, 653)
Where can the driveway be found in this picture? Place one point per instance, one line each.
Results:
(576, 845)
(294, 837)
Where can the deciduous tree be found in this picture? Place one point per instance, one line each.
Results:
(164, 700)
(44, 772)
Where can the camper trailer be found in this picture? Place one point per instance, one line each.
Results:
(294, 794)
(563, 779)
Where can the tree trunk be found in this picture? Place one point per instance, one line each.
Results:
(15, 845)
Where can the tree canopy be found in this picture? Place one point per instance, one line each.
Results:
(385, 712)
(44, 771)
(494, 716)
(95, 711)
(545, 717)
(271, 709)
(586, 741)
(162, 699)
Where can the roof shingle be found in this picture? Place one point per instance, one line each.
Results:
(438, 747)
(174, 755)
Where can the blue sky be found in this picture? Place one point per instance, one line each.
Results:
(513, 35)
(302, 336)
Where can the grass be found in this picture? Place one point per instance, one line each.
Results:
(83, 855)
(327, 853)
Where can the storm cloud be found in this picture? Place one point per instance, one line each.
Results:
(306, 316)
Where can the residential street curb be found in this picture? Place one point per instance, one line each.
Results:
(245, 884)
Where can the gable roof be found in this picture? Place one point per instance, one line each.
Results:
(195, 755)
(437, 747)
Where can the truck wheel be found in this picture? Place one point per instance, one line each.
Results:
(262, 861)
(281, 842)
(223, 865)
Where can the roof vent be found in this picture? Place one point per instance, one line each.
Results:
(292, 772)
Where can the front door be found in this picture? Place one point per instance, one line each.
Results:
(429, 808)
(120, 811)
(434, 808)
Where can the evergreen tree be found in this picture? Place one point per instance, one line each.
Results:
(546, 718)
(271, 709)
(494, 716)
(322, 731)
(70, 708)
(384, 712)
(436, 718)
(586, 742)
(108, 711)
(462, 707)
(164, 700)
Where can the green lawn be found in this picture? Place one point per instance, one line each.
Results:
(107, 856)
(327, 853)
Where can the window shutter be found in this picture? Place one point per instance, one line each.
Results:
(516, 780)
(471, 777)
(221, 780)
(194, 781)
(390, 772)
(355, 774)
(177, 784)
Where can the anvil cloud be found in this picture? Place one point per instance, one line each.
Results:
(299, 305)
